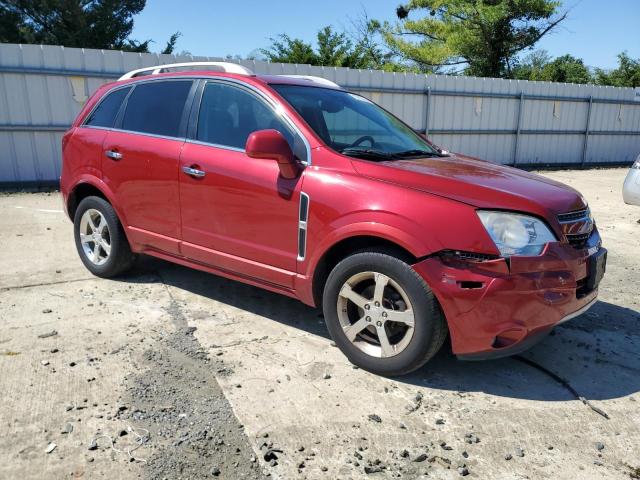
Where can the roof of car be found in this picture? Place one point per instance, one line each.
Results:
(301, 80)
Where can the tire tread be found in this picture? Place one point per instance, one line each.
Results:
(439, 328)
(123, 256)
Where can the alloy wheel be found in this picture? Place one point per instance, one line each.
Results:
(376, 314)
(95, 236)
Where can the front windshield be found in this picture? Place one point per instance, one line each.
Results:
(353, 125)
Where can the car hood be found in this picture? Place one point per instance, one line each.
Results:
(477, 183)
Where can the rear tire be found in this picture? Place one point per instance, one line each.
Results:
(382, 314)
(100, 239)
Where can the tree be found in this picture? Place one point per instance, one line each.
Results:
(285, 49)
(478, 37)
(530, 67)
(567, 69)
(626, 75)
(334, 48)
(365, 33)
(74, 23)
(358, 49)
(539, 66)
(171, 43)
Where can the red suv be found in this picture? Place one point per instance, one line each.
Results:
(295, 185)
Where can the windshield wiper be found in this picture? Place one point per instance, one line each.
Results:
(416, 153)
(366, 153)
(380, 155)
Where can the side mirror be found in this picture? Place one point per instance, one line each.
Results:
(272, 145)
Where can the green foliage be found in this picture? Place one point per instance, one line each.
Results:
(626, 75)
(359, 50)
(334, 48)
(171, 43)
(566, 68)
(539, 66)
(285, 49)
(478, 37)
(103, 24)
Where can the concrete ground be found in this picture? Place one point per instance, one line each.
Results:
(172, 373)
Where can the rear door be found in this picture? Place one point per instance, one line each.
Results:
(140, 161)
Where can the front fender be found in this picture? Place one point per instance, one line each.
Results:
(418, 247)
(344, 228)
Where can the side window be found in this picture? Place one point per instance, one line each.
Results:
(229, 114)
(156, 107)
(104, 115)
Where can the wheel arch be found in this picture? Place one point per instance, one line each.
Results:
(87, 187)
(350, 245)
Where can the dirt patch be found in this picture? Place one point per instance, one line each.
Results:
(193, 432)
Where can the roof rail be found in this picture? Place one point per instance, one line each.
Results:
(311, 78)
(226, 67)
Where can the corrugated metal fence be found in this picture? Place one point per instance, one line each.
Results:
(42, 88)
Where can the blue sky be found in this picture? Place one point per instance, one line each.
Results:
(596, 30)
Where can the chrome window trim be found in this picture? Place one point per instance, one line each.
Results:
(215, 145)
(134, 132)
(271, 102)
(302, 225)
(93, 109)
(131, 85)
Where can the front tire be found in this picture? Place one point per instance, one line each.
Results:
(100, 239)
(382, 314)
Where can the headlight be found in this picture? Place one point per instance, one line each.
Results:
(516, 234)
(636, 164)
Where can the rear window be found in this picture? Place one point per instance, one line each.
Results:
(156, 107)
(104, 115)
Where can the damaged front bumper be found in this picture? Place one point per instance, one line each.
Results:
(500, 307)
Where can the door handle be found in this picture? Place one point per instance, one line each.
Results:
(113, 155)
(193, 172)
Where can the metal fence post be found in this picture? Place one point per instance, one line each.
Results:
(519, 121)
(585, 146)
(426, 115)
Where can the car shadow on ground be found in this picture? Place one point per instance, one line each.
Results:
(596, 353)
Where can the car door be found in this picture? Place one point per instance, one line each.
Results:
(238, 213)
(140, 161)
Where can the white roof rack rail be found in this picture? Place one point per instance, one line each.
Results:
(226, 67)
(311, 78)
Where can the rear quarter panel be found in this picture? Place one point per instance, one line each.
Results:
(81, 149)
(81, 158)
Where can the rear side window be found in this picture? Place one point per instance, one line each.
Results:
(104, 115)
(156, 107)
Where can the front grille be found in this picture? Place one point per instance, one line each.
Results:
(577, 226)
(575, 215)
(578, 241)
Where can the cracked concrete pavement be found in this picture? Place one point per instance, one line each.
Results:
(272, 384)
